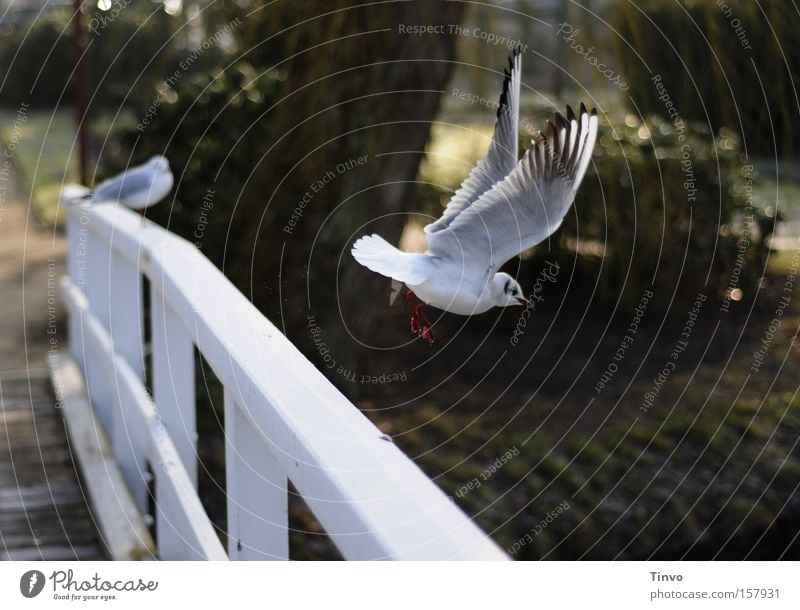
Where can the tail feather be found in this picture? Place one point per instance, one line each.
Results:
(378, 255)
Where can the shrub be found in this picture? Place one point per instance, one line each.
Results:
(721, 51)
(36, 60)
(208, 125)
(653, 213)
(125, 55)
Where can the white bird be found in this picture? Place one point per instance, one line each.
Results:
(503, 207)
(138, 187)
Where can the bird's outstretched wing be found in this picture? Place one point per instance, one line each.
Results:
(117, 188)
(501, 157)
(528, 205)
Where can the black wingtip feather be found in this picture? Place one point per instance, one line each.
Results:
(570, 113)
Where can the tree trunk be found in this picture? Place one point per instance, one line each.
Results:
(347, 137)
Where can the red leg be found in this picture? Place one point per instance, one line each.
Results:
(425, 331)
(413, 310)
(422, 329)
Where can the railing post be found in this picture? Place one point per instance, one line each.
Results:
(258, 509)
(76, 270)
(93, 255)
(127, 335)
(173, 380)
(126, 307)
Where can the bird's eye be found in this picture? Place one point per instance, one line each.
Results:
(514, 292)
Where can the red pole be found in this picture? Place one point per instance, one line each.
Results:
(80, 92)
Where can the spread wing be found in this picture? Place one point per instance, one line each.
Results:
(501, 157)
(528, 205)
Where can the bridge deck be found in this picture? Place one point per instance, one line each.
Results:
(43, 509)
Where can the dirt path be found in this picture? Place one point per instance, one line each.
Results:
(31, 261)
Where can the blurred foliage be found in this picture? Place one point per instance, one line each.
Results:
(36, 60)
(37, 57)
(731, 66)
(210, 125)
(635, 208)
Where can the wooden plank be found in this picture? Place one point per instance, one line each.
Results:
(173, 380)
(69, 519)
(183, 530)
(257, 495)
(124, 531)
(41, 502)
(23, 375)
(41, 496)
(126, 325)
(179, 510)
(75, 536)
(52, 553)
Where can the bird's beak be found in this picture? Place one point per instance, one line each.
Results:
(523, 301)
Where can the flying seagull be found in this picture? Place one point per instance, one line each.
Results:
(503, 207)
(137, 188)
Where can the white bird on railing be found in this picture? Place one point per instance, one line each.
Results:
(137, 188)
(502, 208)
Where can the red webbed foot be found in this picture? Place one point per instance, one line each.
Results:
(420, 325)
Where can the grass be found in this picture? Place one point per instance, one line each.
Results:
(45, 155)
(711, 470)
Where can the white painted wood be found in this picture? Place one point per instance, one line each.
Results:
(183, 530)
(258, 506)
(95, 253)
(126, 323)
(126, 307)
(122, 527)
(372, 500)
(173, 379)
(76, 270)
(184, 525)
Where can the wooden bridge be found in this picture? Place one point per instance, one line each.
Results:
(136, 450)
(43, 512)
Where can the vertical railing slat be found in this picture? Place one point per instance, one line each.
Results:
(173, 380)
(127, 335)
(95, 256)
(258, 512)
(75, 270)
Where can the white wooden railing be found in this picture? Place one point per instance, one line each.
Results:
(283, 419)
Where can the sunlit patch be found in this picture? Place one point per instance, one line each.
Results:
(172, 7)
(736, 294)
(643, 133)
(631, 120)
(104, 5)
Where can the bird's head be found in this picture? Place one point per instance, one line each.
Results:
(160, 162)
(507, 291)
